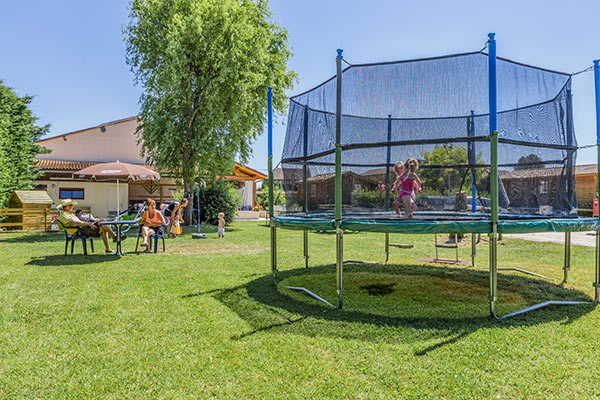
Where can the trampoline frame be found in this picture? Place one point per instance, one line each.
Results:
(492, 226)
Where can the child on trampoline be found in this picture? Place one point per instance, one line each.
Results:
(407, 181)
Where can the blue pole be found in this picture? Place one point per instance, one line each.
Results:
(493, 260)
(270, 147)
(493, 100)
(597, 90)
(198, 206)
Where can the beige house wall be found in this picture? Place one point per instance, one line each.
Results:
(117, 142)
(100, 196)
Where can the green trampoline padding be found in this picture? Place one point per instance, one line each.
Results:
(427, 223)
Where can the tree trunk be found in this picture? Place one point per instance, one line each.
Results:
(187, 190)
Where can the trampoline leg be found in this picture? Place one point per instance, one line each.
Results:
(274, 253)
(339, 265)
(473, 249)
(306, 249)
(567, 262)
(387, 247)
(493, 272)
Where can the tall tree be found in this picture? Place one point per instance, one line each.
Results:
(18, 133)
(204, 66)
(531, 161)
(447, 181)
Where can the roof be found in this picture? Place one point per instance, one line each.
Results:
(72, 166)
(32, 196)
(587, 169)
(281, 174)
(324, 177)
(376, 171)
(117, 121)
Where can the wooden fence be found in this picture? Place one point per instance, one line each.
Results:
(29, 219)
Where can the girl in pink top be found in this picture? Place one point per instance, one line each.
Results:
(410, 182)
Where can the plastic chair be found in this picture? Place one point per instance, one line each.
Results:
(70, 238)
(153, 239)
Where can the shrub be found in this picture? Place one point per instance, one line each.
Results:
(218, 197)
(367, 198)
(262, 198)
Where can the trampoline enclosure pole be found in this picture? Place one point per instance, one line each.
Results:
(493, 110)
(270, 168)
(472, 160)
(305, 182)
(597, 92)
(339, 234)
(388, 160)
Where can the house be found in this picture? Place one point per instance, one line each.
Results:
(541, 182)
(110, 142)
(321, 188)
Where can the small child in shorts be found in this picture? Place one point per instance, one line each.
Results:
(221, 225)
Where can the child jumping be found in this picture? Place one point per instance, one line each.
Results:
(409, 183)
(221, 225)
(400, 175)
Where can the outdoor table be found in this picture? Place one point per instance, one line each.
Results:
(118, 225)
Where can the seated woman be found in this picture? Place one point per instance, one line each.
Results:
(152, 222)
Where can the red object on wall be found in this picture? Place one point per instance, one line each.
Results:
(595, 210)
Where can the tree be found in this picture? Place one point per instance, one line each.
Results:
(18, 133)
(204, 66)
(279, 197)
(531, 161)
(447, 181)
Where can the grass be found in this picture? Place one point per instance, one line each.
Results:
(205, 321)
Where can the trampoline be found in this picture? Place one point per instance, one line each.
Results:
(494, 138)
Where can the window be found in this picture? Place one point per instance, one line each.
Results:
(75, 194)
(543, 187)
(313, 190)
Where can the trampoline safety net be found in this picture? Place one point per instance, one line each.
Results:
(436, 111)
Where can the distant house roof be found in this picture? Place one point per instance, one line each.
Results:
(324, 177)
(376, 171)
(280, 174)
(587, 169)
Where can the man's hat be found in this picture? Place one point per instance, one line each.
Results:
(67, 202)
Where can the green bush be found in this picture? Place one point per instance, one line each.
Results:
(218, 197)
(262, 198)
(367, 198)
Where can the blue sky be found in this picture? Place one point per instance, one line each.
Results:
(70, 54)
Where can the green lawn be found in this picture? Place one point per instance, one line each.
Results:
(205, 321)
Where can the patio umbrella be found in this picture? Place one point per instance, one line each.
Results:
(119, 171)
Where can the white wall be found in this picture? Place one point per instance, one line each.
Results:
(100, 196)
(117, 142)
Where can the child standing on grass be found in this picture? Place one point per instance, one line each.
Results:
(221, 225)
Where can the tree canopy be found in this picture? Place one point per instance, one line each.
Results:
(448, 181)
(204, 66)
(531, 161)
(18, 133)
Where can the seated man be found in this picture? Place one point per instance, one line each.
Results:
(89, 229)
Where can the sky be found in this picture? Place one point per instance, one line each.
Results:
(70, 55)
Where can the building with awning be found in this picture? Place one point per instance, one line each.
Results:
(110, 142)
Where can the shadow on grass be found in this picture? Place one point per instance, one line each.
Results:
(26, 237)
(71, 259)
(426, 318)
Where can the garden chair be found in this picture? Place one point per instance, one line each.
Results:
(153, 239)
(70, 238)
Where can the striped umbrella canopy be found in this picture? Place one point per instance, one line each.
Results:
(118, 171)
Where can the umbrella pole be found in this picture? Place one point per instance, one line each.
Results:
(118, 200)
